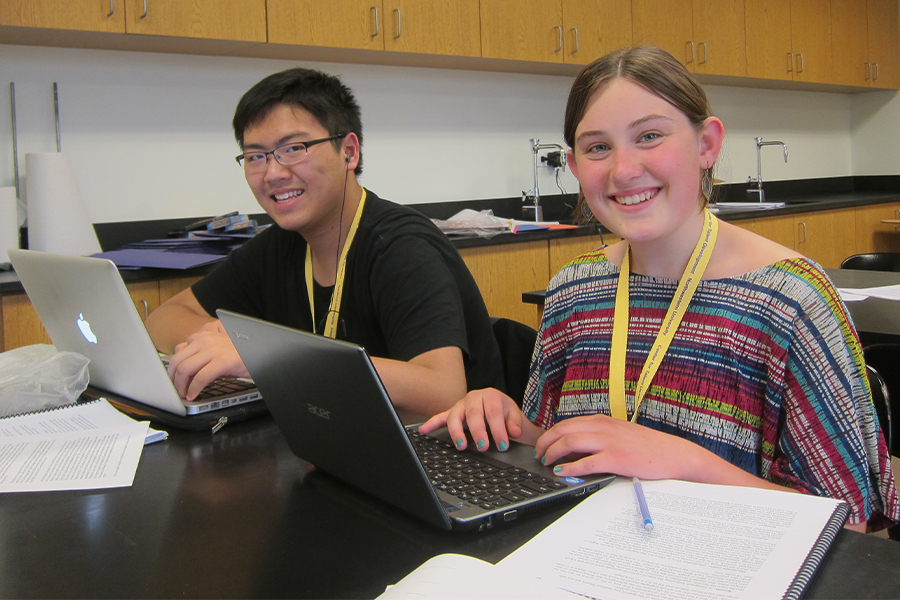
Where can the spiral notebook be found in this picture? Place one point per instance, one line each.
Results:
(708, 541)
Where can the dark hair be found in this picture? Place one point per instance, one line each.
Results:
(323, 96)
(655, 70)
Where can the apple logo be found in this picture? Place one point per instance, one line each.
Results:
(85, 329)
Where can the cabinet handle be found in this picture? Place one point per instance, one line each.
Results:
(145, 10)
(559, 42)
(574, 30)
(399, 30)
(703, 45)
(374, 12)
(691, 44)
(800, 70)
(875, 77)
(868, 71)
(146, 308)
(802, 228)
(790, 57)
(112, 8)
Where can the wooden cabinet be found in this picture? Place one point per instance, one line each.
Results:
(430, 27)
(884, 43)
(21, 326)
(593, 28)
(708, 36)
(789, 40)
(865, 35)
(81, 15)
(871, 234)
(504, 272)
(243, 20)
(522, 30)
(849, 39)
(433, 27)
(313, 23)
(827, 237)
(779, 229)
(564, 250)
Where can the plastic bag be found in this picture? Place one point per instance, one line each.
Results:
(469, 222)
(37, 377)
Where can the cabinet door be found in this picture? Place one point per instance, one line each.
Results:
(145, 296)
(594, 28)
(314, 23)
(719, 37)
(778, 229)
(871, 234)
(170, 287)
(667, 24)
(811, 40)
(849, 43)
(243, 20)
(522, 30)
(433, 27)
(768, 28)
(504, 273)
(21, 324)
(884, 43)
(827, 237)
(564, 250)
(83, 15)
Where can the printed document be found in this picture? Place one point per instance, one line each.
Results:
(84, 446)
(708, 542)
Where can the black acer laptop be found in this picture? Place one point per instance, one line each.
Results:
(332, 408)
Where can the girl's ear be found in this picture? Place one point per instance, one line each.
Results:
(570, 162)
(711, 137)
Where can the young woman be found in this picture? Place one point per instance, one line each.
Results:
(692, 349)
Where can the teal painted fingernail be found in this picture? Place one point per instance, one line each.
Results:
(557, 469)
(459, 443)
(481, 443)
(543, 460)
(503, 446)
(535, 453)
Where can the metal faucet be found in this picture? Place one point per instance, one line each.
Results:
(759, 184)
(532, 199)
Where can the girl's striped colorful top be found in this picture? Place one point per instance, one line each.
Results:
(765, 371)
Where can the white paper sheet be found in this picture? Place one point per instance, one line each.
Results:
(86, 446)
(708, 542)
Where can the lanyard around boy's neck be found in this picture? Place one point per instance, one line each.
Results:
(693, 272)
(331, 319)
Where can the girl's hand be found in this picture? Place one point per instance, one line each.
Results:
(479, 411)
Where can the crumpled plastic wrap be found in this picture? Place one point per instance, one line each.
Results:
(38, 377)
(473, 222)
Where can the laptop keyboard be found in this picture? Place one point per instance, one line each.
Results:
(225, 386)
(475, 481)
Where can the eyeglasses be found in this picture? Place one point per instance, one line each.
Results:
(288, 154)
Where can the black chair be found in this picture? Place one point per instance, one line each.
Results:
(883, 366)
(516, 341)
(883, 369)
(876, 261)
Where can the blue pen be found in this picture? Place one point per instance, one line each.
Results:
(642, 502)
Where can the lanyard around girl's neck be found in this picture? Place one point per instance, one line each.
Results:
(331, 319)
(693, 272)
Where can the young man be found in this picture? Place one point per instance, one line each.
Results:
(339, 261)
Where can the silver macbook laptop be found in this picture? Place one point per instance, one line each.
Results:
(86, 308)
(334, 412)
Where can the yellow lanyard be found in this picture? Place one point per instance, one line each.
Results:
(693, 272)
(331, 319)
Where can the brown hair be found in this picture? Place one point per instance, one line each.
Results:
(655, 70)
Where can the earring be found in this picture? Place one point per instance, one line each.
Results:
(706, 184)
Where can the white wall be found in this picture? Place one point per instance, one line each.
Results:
(149, 134)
